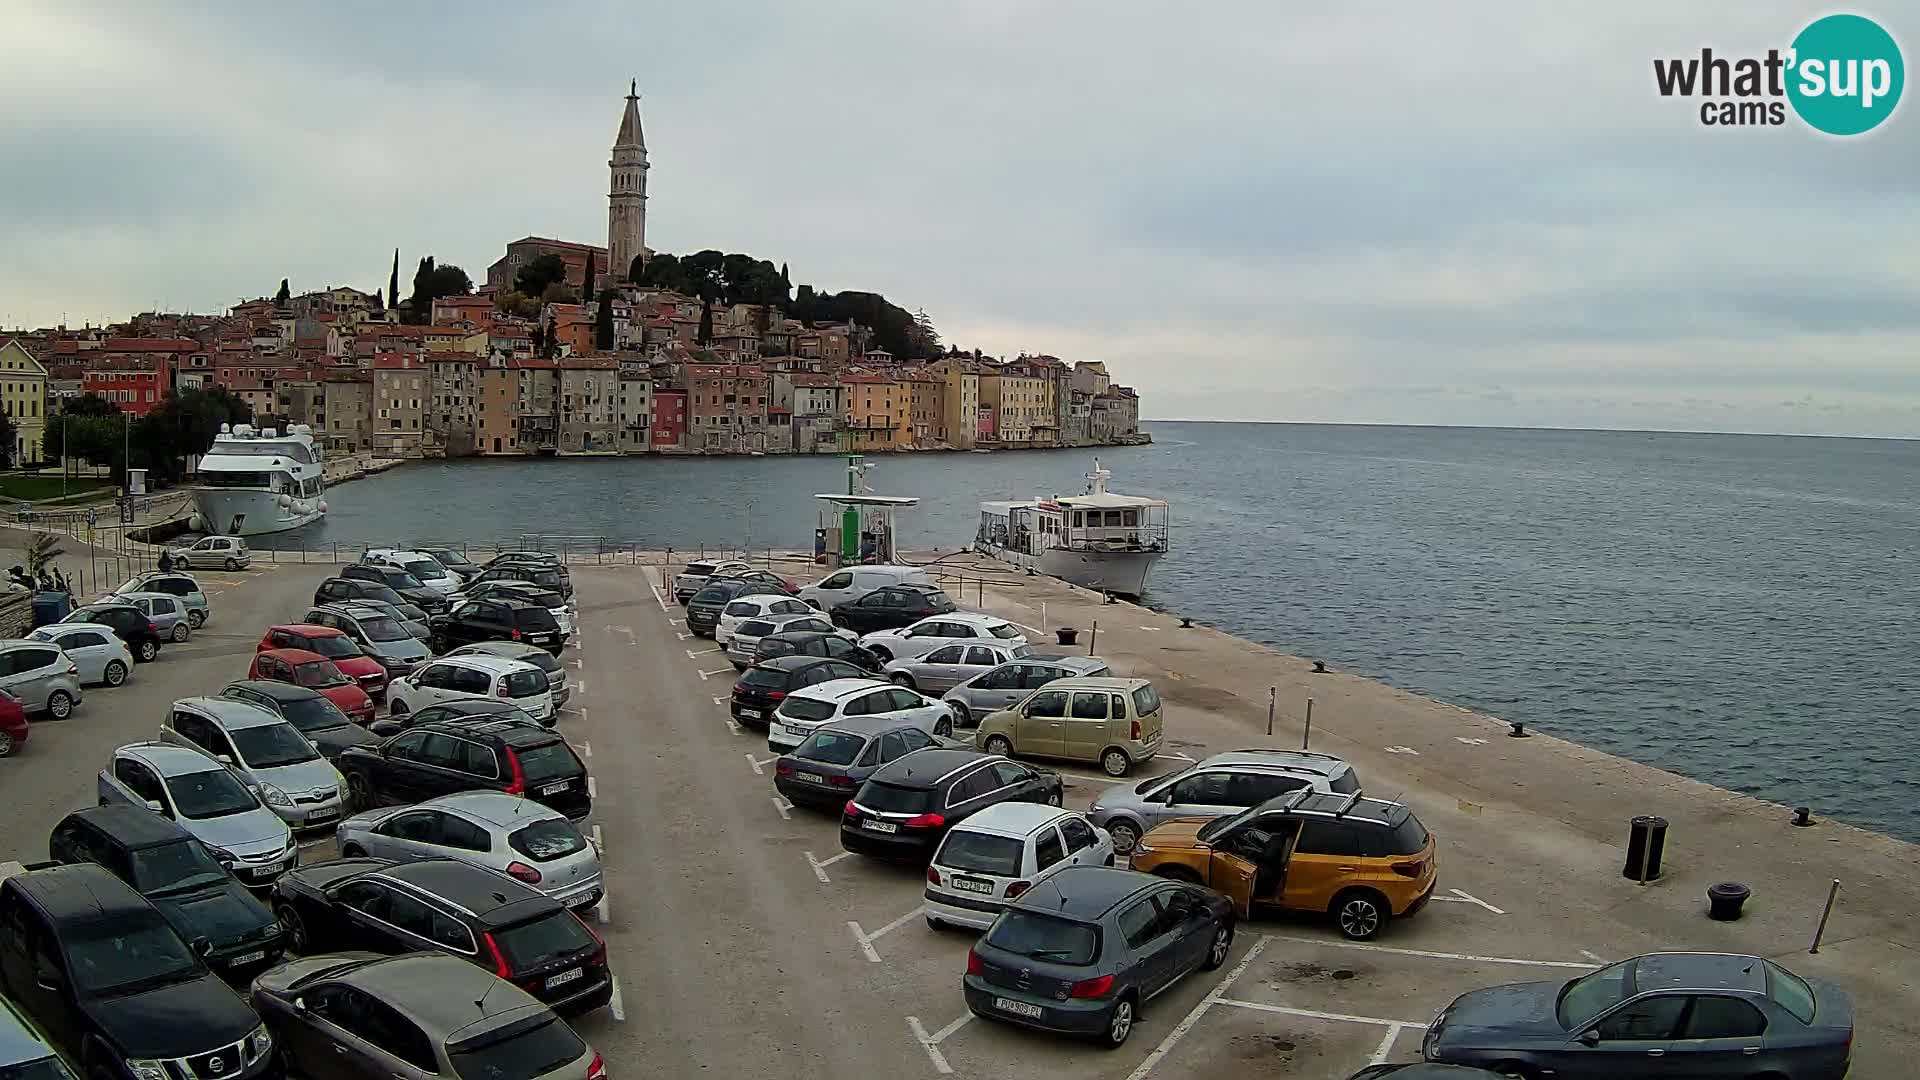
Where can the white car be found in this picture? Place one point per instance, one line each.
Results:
(756, 606)
(96, 650)
(959, 627)
(812, 707)
(999, 853)
(418, 563)
(458, 678)
(226, 552)
(743, 646)
(694, 576)
(854, 582)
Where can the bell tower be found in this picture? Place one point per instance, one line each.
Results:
(627, 192)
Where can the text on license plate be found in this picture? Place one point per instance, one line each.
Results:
(810, 777)
(754, 713)
(1018, 1008)
(565, 977)
(985, 888)
(250, 958)
(880, 826)
(554, 789)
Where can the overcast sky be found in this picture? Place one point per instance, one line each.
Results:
(1447, 213)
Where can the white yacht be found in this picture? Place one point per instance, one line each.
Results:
(258, 480)
(1099, 540)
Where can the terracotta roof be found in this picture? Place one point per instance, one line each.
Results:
(564, 244)
(589, 363)
(809, 379)
(176, 345)
(439, 357)
(395, 362)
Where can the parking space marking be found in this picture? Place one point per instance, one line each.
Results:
(657, 598)
(931, 1043)
(1402, 750)
(820, 866)
(691, 655)
(733, 726)
(1432, 955)
(593, 834)
(782, 805)
(581, 685)
(720, 671)
(683, 637)
(1386, 1044)
(1462, 896)
(1155, 629)
(601, 913)
(627, 630)
(615, 1005)
(1180, 757)
(1310, 1014)
(866, 940)
(719, 701)
(585, 748)
(593, 792)
(1595, 957)
(865, 945)
(1193, 1017)
(576, 663)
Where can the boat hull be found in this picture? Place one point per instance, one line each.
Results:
(1122, 573)
(259, 512)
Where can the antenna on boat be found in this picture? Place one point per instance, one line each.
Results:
(1097, 479)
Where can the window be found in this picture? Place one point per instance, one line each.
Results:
(980, 656)
(410, 915)
(1039, 675)
(1320, 837)
(1078, 834)
(1049, 703)
(1791, 992)
(1648, 1018)
(1146, 700)
(1252, 789)
(408, 747)
(1007, 774)
(1715, 1016)
(1047, 848)
(892, 745)
(1203, 789)
(1137, 922)
(366, 897)
(903, 699)
(971, 786)
(421, 826)
(981, 853)
(1009, 677)
(1089, 706)
(443, 752)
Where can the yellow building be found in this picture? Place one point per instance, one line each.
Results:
(879, 413)
(1021, 402)
(957, 420)
(23, 394)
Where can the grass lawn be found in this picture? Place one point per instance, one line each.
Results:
(33, 488)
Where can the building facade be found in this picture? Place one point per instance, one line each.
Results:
(400, 396)
(23, 394)
(627, 192)
(589, 405)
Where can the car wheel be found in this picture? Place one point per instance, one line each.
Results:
(148, 650)
(999, 744)
(180, 562)
(1221, 947)
(293, 927)
(115, 674)
(901, 678)
(1115, 762)
(359, 793)
(6, 743)
(1359, 914)
(1521, 1072)
(943, 727)
(1125, 835)
(397, 708)
(961, 716)
(196, 618)
(353, 851)
(1119, 1025)
(181, 631)
(233, 564)
(59, 704)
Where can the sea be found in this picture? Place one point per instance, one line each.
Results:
(1736, 608)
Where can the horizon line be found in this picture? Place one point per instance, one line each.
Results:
(1534, 427)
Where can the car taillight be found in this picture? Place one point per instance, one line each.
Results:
(1409, 869)
(597, 1070)
(839, 781)
(519, 785)
(1134, 731)
(783, 768)
(153, 628)
(73, 669)
(975, 966)
(925, 821)
(528, 874)
(1092, 988)
(516, 633)
(1017, 888)
(501, 690)
(852, 810)
(598, 959)
(933, 876)
(500, 967)
(776, 695)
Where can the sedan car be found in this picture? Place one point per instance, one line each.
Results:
(995, 856)
(955, 628)
(188, 787)
(950, 665)
(1078, 953)
(824, 771)
(516, 837)
(320, 720)
(1222, 784)
(807, 708)
(999, 688)
(96, 650)
(1696, 1014)
(316, 673)
(891, 607)
(41, 676)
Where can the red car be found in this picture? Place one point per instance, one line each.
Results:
(315, 672)
(335, 646)
(13, 723)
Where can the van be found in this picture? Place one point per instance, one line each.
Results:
(854, 582)
(1115, 722)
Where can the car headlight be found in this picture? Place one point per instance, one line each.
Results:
(143, 1069)
(259, 1044)
(273, 796)
(222, 856)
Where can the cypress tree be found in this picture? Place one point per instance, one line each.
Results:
(603, 323)
(586, 286)
(281, 296)
(393, 282)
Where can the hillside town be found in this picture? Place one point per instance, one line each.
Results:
(568, 349)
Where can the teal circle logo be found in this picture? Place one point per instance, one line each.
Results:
(1846, 74)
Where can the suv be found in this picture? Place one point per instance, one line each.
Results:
(266, 752)
(766, 684)
(1363, 861)
(226, 552)
(452, 678)
(95, 963)
(333, 644)
(340, 590)
(443, 757)
(1222, 784)
(703, 611)
(441, 905)
(498, 619)
(180, 585)
(526, 590)
(694, 576)
(998, 688)
(180, 877)
(810, 707)
(128, 622)
(416, 593)
(191, 789)
(904, 810)
(530, 654)
(41, 676)
(384, 637)
(422, 566)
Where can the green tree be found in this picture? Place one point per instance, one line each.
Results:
(518, 303)
(550, 340)
(281, 296)
(603, 323)
(8, 433)
(559, 293)
(586, 285)
(431, 282)
(534, 277)
(41, 550)
(706, 321)
(89, 405)
(393, 283)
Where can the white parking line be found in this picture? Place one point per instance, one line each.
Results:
(657, 598)
(1386, 1044)
(593, 834)
(733, 727)
(1029, 629)
(1314, 1015)
(615, 1006)
(691, 655)
(585, 747)
(931, 1043)
(1193, 1017)
(576, 663)
(1467, 897)
(593, 792)
(895, 924)
(1467, 957)
(1180, 757)
(719, 701)
(683, 637)
(580, 685)
(755, 763)
(820, 867)
(601, 913)
(1593, 956)
(718, 671)
(865, 945)
(782, 806)
(612, 629)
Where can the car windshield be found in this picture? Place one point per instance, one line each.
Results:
(831, 747)
(272, 745)
(129, 955)
(1791, 992)
(175, 867)
(46, 1068)
(1220, 826)
(1044, 937)
(334, 646)
(545, 841)
(447, 556)
(383, 628)
(753, 628)
(546, 598)
(770, 677)
(714, 594)
(534, 1052)
(1141, 787)
(543, 940)
(1021, 652)
(319, 674)
(373, 590)
(400, 579)
(1005, 631)
(525, 683)
(547, 762)
(534, 618)
(210, 794)
(1589, 996)
(313, 714)
(422, 569)
(982, 853)
(889, 799)
(806, 709)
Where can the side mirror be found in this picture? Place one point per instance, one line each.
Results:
(224, 759)
(299, 1004)
(154, 805)
(386, 728)
(202, 947)
(1590, 1038)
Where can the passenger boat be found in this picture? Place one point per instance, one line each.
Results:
(258, 480)
(1100, 540)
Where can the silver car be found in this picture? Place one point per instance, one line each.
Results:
(743, 647)
(181, 586)
(1223, 784)
(98, 652)
(203, 797)
(267, 753)
(504, 833)
(167, 613)
(1000, 687)
(41, 676)
(950, 665)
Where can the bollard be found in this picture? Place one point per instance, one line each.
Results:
(1821, 930)
(1043, 616)
(1186, 623)
(1093, 636)
(1517, 730)
(1803, 816)
(1306, 736)
(1272, 693)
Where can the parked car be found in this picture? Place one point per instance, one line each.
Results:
(503, 833)
(1664, 1014)
(460, 711)
(316, 717)
(1000, 687)
(186, 786)
(440, 905)
(754, 606)
(497, 619)
(1220, 785)
(694, 576)
(453, 677)
(761, 689)
(1115, 722)
(103, 659)
(425, 568)
(450, 756)
(184, 586)
(168, 613)
(995, 856)
(763, 577)
(382, 636)
(315, 672)
(853, 582)
(340, 590)
(13, 725)
(529, 653)
(546, 574)
(831, 764)
(743, 645)
(816, 643)
(96, 964)
(267, 753)
(703, 611)
(950, 665)
(418, 628)
(180, 877)
(1362, 861)
(904, 809)
(412, 589)
(129, 623)
(335, 645)
(954, 628)
(1079, 953)
(453, 559)
(415, 1017)
(556, 605)
(1422, 1070)
(225, 552)
(40, 676)
(890, 608)
(25, 1051)
(809, 707)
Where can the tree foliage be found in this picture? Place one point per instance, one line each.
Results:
(393, 283)
(518, 303)
(559, 293)
(282, 296)
(534, 277)
(184, 423)
(431, 282)
(8, 434)
(603, 323)
(90, 405)
(893, 326)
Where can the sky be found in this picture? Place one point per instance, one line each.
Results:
(1465, 213)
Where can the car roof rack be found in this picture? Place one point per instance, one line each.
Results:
(1347, 805)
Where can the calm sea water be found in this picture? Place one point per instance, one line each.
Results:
(1740, 609)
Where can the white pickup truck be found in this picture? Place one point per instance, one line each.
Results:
(690, 580)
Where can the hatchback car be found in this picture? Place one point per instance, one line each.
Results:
(129, 623)
(1079, 953)
(703, 611)
(269, 754)
(97, 651)
(451, 678)
(904, 809)
(1220, 785)
(532, 654)
(1000, 687)
(25, 1052)
(184, 586)
(995, 856)
(758, 692)
(205, 798)
(425, 568)
(1115, 722)
(382, 636)
(421, 1016)
(954, 628)
(317, 673)
(440, 905)
(743, 645)
(556, 605)
(694, 576)
(754, 606)
(497, 618)
(891, 607)
(41, 676)
(516, 837)
(1693, 1014)
(415, 591)
(335, 645)
(950, 665)
(13, 725)
(1362, 861)
(168, 613)
(831, 764)
(340, 590)
(810, 707)
(546, 574)
(319, 719)
(225, 552)
(449, 756)
(827, 643)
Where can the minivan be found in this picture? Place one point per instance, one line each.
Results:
(1115, 722)
(854, 582)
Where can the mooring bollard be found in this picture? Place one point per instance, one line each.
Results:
(1272, 693)
(1093, 636)
(1802, 816)
(1516, 729)
(1821, 930)
(1646, 840)
(1306, 735)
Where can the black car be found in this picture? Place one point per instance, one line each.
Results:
(129, 624)
(320, 720)
(1423, 1070)
(449, 756)
(453, 559)
(440, 905)
(460, 711)
(180, 877)
(104, 974)
(497, 619)
(762, 688)
(544, 574)
(412, 588)
(817, 643)
(891, 608)
(342, 590)
(831, 764)
(703, 611)
(904, 810)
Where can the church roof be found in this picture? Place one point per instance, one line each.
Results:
(630, 133)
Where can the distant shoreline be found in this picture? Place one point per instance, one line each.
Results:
(1530, 427)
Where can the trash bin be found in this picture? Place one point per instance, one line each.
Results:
(49, 607)
(1724, 900)
(1646, 839)
(1066, 634)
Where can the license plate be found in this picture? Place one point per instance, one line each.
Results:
(249, 958)
(322, 815)
(541, 639)
(554, 789)
(263, 871)
(985, 888)
(810, 777)
(755, 713)
(566, 977)
(1019, 1008)
(880, 826)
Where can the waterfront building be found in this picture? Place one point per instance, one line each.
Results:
(349, 411)
(452, 393)
(498, 407)
(589, 403)
(819, 412)
(135, 384)
(957, 420)
(879, 412)
(635, 413)
(400, 395)
(727, 407)
(23, 394)
(669, 419)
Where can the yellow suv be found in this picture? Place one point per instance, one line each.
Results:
(1363, 861)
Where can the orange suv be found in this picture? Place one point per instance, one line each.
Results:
(1363, 861)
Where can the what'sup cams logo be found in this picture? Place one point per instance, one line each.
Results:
(1842, 75)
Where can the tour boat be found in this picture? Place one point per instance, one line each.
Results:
(258, 480)
(1100, 540)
